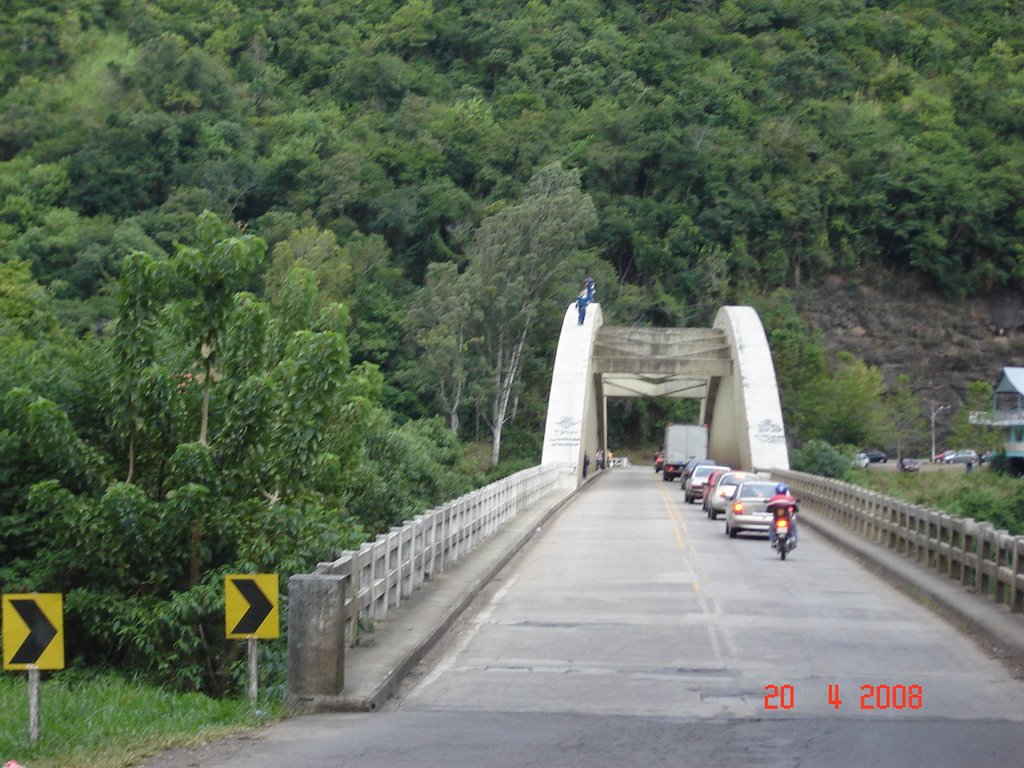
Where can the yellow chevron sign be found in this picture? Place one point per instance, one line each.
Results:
(251, 606)
(33, 627)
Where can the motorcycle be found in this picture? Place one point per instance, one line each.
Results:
(783, 518)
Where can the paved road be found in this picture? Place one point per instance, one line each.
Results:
(634, 632)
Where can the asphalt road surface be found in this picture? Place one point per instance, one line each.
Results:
(633, 632)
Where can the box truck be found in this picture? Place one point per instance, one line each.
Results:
(682, 443)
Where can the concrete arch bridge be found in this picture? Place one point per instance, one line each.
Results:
(728, 367)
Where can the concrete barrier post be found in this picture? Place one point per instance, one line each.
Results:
(1016, 601)
(971, 553)
(316, 636)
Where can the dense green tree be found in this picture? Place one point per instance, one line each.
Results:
(516, 258)
(726, 152)
(844, 407)
(973, 433)
(441, 326)
(908, 429)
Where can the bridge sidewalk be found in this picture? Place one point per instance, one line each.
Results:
(374, 671)
(1001, 631)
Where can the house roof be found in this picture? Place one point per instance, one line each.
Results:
(1012, 381)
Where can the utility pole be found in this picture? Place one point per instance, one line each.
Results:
(936, 409)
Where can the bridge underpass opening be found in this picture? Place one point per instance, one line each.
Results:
(727, 367)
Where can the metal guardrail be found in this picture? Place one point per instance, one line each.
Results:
(978, 555)
(384, 572)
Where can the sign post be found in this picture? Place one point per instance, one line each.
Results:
(251, 612)
(33, 705)
(33, 640)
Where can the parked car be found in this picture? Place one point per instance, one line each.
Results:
(694, 485)
(876, 456)
(943, 455)
(909, 465)
(861, 460)
(965, 456)
(723, 490)
(747, 510)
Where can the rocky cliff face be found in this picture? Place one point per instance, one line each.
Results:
(902, 328)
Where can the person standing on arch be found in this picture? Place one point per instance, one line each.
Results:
(581, 305)
(589, 287)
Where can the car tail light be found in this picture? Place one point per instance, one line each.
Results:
(737, 508)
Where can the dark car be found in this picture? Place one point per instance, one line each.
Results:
(909, 465)
(877, 457)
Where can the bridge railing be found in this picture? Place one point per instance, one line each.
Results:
(382, 573)
(976, 554)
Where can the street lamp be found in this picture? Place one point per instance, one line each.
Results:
(936, 409)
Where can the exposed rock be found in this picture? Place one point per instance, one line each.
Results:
(903, 328)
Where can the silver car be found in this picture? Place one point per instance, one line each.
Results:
(747, 509)
(966, 456)
(725, 486)
(694, 485)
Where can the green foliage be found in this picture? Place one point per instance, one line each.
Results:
(133, 721)
(908, 427)
(845, 406)
(406, 469)
(978, 436)
(25, 309)
(821, 458)
(517, 264)
(799, 358)
(984, 494)
(686, 154)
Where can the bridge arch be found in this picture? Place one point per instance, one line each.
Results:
(728, 367)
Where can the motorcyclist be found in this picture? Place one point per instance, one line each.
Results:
(782, 497)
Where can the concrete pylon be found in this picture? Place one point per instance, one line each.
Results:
(575, 421)
(742, 408)
(728, 367)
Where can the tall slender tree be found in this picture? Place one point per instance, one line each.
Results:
(517, 258)
(442, 323)
(207, 276)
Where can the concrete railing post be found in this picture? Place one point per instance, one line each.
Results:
(316, 636)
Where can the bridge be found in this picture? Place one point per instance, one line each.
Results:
(728, 367)
(547, 621)
(630, 631)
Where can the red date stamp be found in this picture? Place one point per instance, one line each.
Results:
(872, 697)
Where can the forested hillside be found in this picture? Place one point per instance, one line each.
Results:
(273, 260)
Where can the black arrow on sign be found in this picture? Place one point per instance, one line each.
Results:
(259, 607)
(40, 632)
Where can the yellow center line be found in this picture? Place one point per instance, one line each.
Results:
(680, 531)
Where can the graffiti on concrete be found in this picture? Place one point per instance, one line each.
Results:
(769, 431)
(567, 432)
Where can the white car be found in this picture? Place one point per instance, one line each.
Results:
(966, 456)
(725, 487)
(695, 483)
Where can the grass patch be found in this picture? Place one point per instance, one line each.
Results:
(110, 722)
(983, 494)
